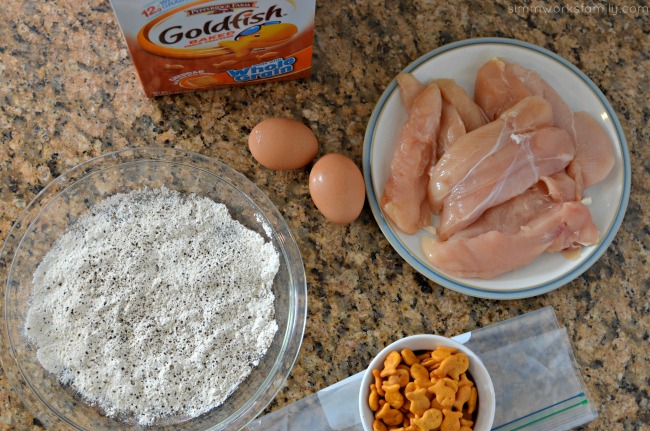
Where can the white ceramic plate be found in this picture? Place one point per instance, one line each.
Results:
(460, 61)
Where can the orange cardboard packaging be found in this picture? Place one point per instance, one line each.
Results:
(188, 45)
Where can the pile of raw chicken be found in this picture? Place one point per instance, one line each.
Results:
(504, 173)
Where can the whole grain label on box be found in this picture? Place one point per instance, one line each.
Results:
(182, 45)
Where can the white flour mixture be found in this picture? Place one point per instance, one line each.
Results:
(154, 304)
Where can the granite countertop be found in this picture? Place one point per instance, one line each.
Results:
(69, 92)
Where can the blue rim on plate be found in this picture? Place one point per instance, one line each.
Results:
(452, 284)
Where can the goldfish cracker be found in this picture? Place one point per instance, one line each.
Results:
(440, 354)
(409, 357)
(451, 421)
(451, 383)
(436, 405)
(453, 366)
(402, 376)
(419, 401)
(406, 407)
(403, 366)
(462, 396)
(445, 394)
(430, 363)
(393, 396)
(430, 420)
(420, 375)
(471, 402)
(378, 425)
(213, 44)
(464, 381)
(390, 364)
(410, 387)
(466, 423)
(378, 382)
(373, 400)
(390, 417)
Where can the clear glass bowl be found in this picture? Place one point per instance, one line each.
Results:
(70, 195)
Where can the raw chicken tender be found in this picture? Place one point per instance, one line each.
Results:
(471, 149)
(505, 174)
(493, 253)
(511, 215)
(594, 151)
(409, 88)
(451, 123)
(497, 88)
(451, 128)
(471, 114)
(562, 188)
(562, 114)
(404, 200)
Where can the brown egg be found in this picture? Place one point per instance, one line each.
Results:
(336, 186)
(282, 144)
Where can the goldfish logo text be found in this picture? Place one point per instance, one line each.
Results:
(245, 18)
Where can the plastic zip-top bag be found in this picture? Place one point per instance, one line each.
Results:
(536, 380)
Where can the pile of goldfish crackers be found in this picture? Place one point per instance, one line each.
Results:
(424, 392)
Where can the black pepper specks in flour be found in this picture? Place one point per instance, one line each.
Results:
(154, 304)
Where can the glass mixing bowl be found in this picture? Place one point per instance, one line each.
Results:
(57, 207)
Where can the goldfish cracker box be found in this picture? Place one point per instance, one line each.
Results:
(188, 45)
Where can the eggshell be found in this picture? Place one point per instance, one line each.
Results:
(282, 144)
(336, 186)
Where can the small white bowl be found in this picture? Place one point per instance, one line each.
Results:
(480, 376)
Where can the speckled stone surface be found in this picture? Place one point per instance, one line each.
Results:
(69, 92)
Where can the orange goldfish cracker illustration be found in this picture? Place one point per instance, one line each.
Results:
(259, 37)
(199, 81)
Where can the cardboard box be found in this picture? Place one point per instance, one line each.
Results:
(188, 45)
